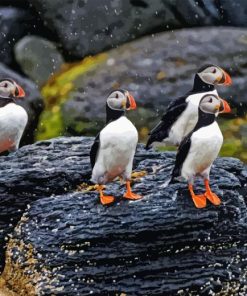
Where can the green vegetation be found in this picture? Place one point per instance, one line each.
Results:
(56, 92)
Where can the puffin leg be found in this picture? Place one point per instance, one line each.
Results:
(199, 200)
(104, 199)
(212, 197)
(129, 194)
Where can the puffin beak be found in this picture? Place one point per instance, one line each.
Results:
(131, 103)
(228, 80)
(225, 79)
(224, 107)
(19, 93)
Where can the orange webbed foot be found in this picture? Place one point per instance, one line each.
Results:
(106, 199)
(213, 198)
(200, 201)
(131, 195)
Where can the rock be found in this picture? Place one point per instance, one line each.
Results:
(33, 102)
(86, 27)
(233, 12)
(67, 243)
(40, 170)
(30, 52)
(156, 69)
(14, 23)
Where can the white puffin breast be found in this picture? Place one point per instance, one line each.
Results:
(118, 142)
(13, 120)
(188, 119)
(205, 146)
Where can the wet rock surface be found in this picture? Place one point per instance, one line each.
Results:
(66, 243)
(156, 70)
(33, 102)
(41, 170)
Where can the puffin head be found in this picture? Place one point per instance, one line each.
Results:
(10, 89)
(214, 75)
(121, 100)
(212, 104)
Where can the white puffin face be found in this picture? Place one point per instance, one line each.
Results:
(7, 89)
(117, 100)
(10, 89)
(214, 75)
(211, 104)
(121, 100)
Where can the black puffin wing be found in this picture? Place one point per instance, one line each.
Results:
(178, 102)
(161, 130)
(94, 150)
(182, 153)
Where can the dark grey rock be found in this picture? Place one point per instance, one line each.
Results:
(40, 170)
(86, 27)
(158, 69)
(14, 24)
(39, 59)
(33, 102)
(68, 244)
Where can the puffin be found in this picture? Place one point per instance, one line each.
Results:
(113, 150)
(181, 115)
(200, 148)
(13, 118)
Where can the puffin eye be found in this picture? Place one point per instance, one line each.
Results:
(210, 100)
(5, 85)
(214, 71)
(116, 95)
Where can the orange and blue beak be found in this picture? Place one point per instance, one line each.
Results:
(19, 91)
(228, 79)
(131, 103)
(224, 107)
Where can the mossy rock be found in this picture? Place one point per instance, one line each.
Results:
(156, 69)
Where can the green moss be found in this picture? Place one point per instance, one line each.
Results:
(57, 91)
(50, 125)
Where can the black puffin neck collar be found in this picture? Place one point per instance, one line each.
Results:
(113, 114)
(204, 119)
(201, 86)
(5, 101)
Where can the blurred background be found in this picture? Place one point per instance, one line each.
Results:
(69, 54)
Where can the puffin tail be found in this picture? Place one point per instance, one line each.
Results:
(149, 142)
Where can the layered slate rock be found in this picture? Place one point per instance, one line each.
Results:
(67, 243)
(33, 102)
(46, 168)
(157, 69)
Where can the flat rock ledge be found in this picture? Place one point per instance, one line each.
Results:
(63, 242)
